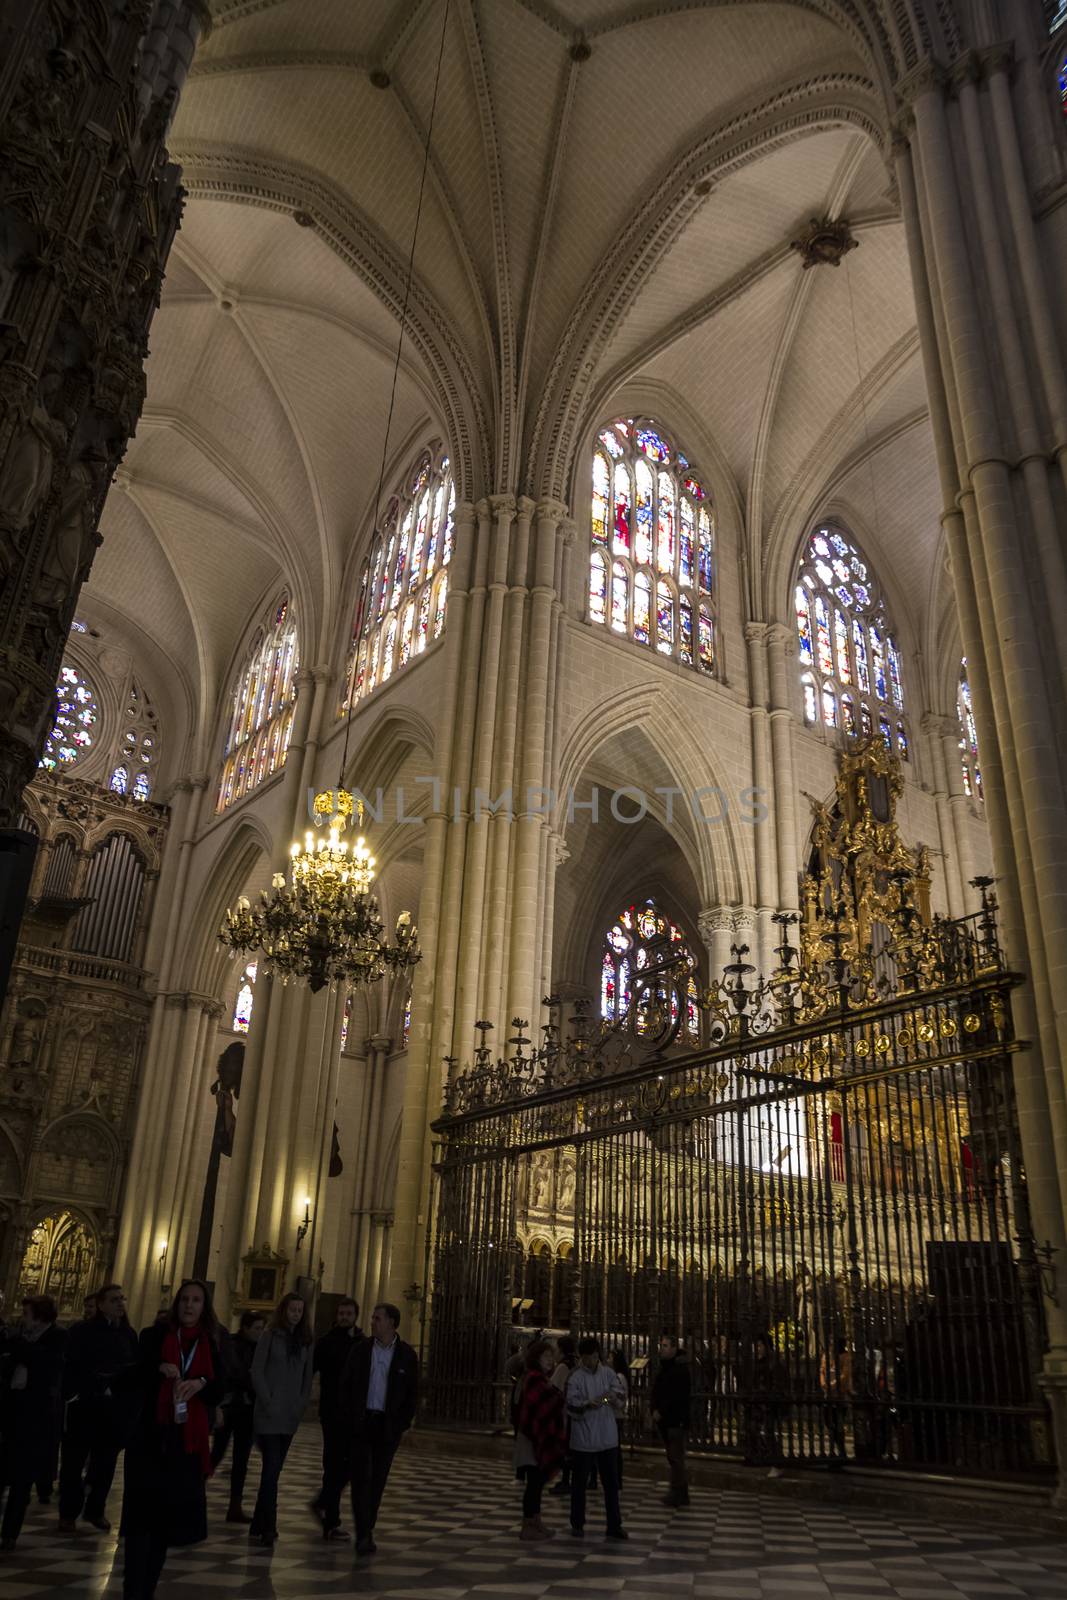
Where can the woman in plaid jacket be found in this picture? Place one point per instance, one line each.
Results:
(540, 1436)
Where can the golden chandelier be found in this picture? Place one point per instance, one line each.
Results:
(324, 925)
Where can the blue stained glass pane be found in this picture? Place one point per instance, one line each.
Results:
(653, 446)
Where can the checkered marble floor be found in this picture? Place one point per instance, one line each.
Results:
(448, 1531)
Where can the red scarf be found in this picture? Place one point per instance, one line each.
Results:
(178, 1347)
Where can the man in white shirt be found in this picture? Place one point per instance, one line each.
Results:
(379, 1395)
(595, 1399)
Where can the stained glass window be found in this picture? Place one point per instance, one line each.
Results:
(811, 710)
(706, 640)
(844, 665)
(72, 735)
(406, 634)
(648, 503)
(601, 489)
(120, 780)
(804, 635)
(620, 595)
(665, 523)
(685, 544)
(405, 558)
(387, 650)
(598, 587)
(246, 994)
(346, 1019)
(843, 629)
(623, 500)
(406, 1033)
(642, 607)
(137, 753)
(644, 944)
(972, 772)
(260, 720)
(685, 630)
(643, 540)
(442, 602)
(1063, 85)
(664, 619)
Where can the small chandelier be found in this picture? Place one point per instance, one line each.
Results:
(323, 926)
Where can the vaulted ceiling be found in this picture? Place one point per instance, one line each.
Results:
(612, 192)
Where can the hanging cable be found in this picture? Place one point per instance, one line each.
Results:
(399, 347)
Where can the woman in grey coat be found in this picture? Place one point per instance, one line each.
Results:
(281, 1378)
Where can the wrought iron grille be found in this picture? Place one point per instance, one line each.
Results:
(827, 1203)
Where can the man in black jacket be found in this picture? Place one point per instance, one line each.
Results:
(98, 1413)
(379, 1395)
(670, 1412)
(30, 1407)
(331, 1357)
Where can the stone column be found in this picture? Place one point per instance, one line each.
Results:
(496, 688)
(150, 1130)
(440, 903)
(987, 333)
(717, 931)
(933, 726)
(377, 1053)
(764, 841)
(530, 815)
(781, 649)
(192, 1033)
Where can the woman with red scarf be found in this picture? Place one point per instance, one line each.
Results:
(168, 1459)
(540, 1436)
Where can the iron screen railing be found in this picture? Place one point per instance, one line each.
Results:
(827, 1204)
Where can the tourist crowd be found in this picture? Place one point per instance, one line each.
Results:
(173, 1399)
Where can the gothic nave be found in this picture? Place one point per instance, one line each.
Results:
(651, 507)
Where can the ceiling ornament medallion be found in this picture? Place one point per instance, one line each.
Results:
(823, 242)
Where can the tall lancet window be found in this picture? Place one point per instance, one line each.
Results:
(850, 667)
(403, 587)
(261, 706)
(646, 956)
(652, 545)
(972, 772)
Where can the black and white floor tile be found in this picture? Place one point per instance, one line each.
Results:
(448, 1531)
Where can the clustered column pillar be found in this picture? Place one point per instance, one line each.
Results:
(530, 802)
(433, 1001)
(994, 363)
